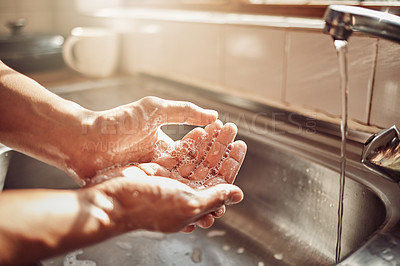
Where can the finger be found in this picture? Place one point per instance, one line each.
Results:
(164, 138)
(212, 198)
(161, 155)
(219, 147)
(190, 155)
(206, 221)
(219, 212)
(133, 171)
(180, 112)
(153, 169)
(197, 169)
(187, 148)
(231, 165)
(215, 180)
(167, 161)
(189, 228)
(215, 153)
(182, 154)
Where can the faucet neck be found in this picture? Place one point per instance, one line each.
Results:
(341, 21)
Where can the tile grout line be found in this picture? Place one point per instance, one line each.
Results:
(372, 83)
(285, 65)
(222, 55)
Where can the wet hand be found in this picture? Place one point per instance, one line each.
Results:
(128, 134)
(203, 158)
(158, 203)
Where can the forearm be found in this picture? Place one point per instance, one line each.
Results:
(38, 122)
(43, 223)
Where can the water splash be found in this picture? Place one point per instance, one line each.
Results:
(124, 245)
(240, 250)
(214, 233)
(196, 255)
(71, 260)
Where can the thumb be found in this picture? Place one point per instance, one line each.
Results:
(181, 112)
(216, 196)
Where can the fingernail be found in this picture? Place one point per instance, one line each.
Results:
(235, 198)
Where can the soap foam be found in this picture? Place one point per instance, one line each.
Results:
(187, 153)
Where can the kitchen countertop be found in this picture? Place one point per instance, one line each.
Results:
(63, 77)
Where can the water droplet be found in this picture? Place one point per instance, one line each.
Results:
(196, 255)
(71, 260)
(240, 250)
(124, 245)
(226, 247)
(214, 233)
(278, 256)
(261, 263)
(153, 235)
(387, 254)
(284, 179)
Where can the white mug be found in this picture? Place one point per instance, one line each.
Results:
(92, 51)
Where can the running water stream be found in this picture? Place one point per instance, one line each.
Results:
(341, 48)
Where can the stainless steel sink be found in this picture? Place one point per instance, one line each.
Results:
(290, 179)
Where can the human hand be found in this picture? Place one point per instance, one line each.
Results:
(128, 134)
(203, 158)
(137, 201)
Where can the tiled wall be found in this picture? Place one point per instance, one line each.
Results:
(292, 68)
(39, 14)
(50, 16)
(386, 95)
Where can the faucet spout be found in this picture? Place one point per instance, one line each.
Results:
(341, 21)
(381, 153)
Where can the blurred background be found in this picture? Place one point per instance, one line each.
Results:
(271, 52)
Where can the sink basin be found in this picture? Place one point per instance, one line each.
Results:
(291, 183)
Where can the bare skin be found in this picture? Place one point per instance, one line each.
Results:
(41, 223)
(61, 132)
(212, 158)
(163, 191)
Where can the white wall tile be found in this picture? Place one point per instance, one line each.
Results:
(313, 76)
(193, 50)
(385, 109)
(145, 46)
(38, 22)
(189, 50)
(253, 60)
(8, 6)
(90, 5)
(30, 6)
(37, 13)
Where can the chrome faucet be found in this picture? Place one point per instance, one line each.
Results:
(341, 21)
(381, 152)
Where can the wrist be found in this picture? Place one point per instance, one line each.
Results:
(101, 209)
(80, 162)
